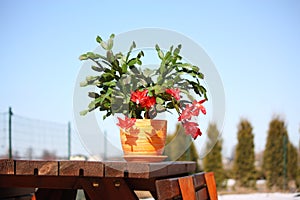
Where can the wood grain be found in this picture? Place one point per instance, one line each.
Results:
(181, 167)
(40, 168)
(147, 170)
(200, 185)
(187, 188)
(112, 179)
(211, 185)
(116, 169)
(80, 168)
(6, 166)
(167, 188)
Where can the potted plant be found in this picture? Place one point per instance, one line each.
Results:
(123, 86)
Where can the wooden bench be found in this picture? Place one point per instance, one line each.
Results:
(200, 186)
(110, 180)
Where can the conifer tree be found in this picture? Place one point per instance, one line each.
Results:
(292, 162)
(212, 162)
(181, 147)
(274, 156)
(244, 168)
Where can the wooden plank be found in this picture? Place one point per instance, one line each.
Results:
(6, 166)
(147, 170)
(81, 168)
(199, 180)
(191, 167)
(183, 186)
(183, 167)
(40, 168)
(202, 194)
(115, 169)
(167, 169)
(200, 186)
(167, 188)
(131, 169)
(211, 185)
(138, 170)
(187, 188)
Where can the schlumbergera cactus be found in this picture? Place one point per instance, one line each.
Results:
(124, 86)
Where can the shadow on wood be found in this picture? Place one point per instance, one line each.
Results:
(16, 193)
(200, 186)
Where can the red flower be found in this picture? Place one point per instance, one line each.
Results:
(139, 96)
(126, 123)
(192, 129)
(192, 110)
(149, 102)
(186, 113)
(200, 106)
(174, 93)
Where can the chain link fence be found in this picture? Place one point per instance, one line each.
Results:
(26, 138)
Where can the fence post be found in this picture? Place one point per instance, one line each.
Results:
(9, 133)
(69, 140)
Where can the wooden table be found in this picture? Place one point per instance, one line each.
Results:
(99, 180)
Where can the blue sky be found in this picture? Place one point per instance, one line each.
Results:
(255, 46)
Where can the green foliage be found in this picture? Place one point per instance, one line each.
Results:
(292, 161)
(298, 178)
(118, 75)
(274, 154)
(244, 168)
(182, 148)
(213, 160)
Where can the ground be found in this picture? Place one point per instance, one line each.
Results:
(261, 196)
(257, 196)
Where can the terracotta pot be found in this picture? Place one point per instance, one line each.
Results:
(146, 139)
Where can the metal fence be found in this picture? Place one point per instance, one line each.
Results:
(26, 138)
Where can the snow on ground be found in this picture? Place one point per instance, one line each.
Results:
(260, 196)
(257, 196)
